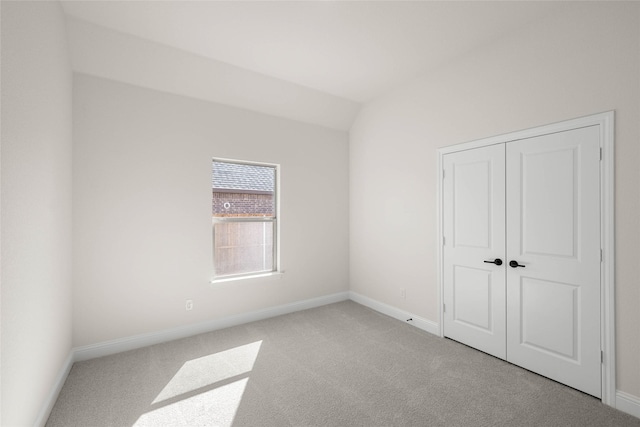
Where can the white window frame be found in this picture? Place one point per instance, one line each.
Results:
(274, 220)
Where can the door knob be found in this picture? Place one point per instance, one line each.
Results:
(496, 261)
(515, 264)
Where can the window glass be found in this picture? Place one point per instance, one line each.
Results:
(244, 218)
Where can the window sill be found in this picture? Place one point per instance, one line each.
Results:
(273, 274)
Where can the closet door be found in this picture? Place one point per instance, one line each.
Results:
(474, 232)
(553, 235)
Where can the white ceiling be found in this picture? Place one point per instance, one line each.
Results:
(353, 50)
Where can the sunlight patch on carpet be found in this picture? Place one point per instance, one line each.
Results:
(206, 391)
(215, 407)
(208, 370)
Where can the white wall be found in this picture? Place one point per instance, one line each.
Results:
(142, 209)
(582, 60)
(36, 207)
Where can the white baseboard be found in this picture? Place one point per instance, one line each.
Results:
(43, 415)
(138, 341)
(628, 403)
(396, 313)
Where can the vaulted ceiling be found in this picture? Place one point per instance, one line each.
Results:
(328, 56)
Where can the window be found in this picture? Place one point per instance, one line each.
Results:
(245, 219)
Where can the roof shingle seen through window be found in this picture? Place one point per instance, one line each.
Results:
(234, 176)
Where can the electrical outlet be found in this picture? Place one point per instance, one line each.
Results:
(189, 305)
(403, 293)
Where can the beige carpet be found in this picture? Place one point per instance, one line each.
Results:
(337, 365)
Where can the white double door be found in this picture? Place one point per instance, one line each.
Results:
(534, 204)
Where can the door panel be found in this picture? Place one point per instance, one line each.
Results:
(474, 291)
(472, 204)
(542, 209)
(559, 314)
(472, 297)
(553, 230)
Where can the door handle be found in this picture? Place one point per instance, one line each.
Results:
(515, 264)
(496, 261)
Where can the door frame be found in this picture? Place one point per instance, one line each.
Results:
(607, 228)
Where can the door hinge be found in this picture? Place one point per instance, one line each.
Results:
(601, 356)
(600, 153)
(601, 256)
(444, 308)
(443, 240)
(443, 173)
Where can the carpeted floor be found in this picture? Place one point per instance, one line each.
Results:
(337, 365)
